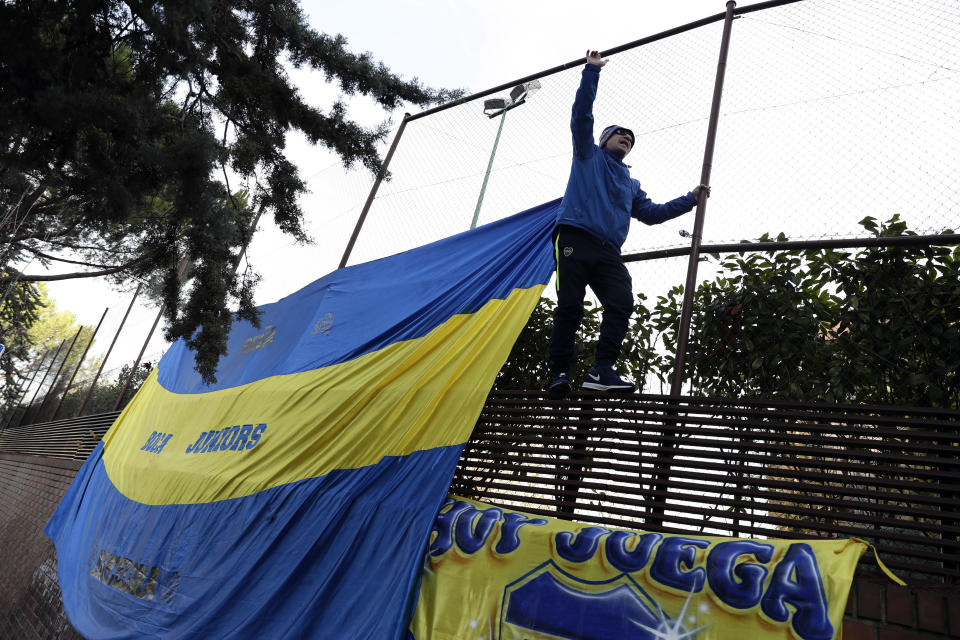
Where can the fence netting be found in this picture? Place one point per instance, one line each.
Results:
(832, 111)
(837, 120)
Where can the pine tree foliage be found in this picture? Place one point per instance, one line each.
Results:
(122, 123)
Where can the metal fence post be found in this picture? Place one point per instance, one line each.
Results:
(63, 363)
(662, 465)
(85, 351)
(109, 349)
(43, 381)
(373, 192)
(683, 333)
(8, 421)
(156, 321)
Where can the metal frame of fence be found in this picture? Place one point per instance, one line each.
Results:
(735, 467)
(694, 250)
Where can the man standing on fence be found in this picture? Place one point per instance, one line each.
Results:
(592, 224)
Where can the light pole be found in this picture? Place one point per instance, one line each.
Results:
(498, 107)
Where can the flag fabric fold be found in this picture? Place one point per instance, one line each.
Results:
(294, 498)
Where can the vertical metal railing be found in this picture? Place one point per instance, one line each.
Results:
(373, 192)
(84, 356)
(27, 389)
(664, 460)
(103, 362)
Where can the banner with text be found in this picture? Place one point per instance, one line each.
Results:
(497, 574)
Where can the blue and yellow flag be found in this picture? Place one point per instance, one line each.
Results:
(294, 498)
(496, 574)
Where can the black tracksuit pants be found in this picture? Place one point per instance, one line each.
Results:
(584, 260)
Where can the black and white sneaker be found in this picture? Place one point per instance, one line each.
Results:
(607, 379)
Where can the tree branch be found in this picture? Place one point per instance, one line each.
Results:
(75, 274)
(82, 247)
(47, 256)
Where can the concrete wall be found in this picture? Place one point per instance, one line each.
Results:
(31, 607)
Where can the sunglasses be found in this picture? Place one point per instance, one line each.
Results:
(625, 133)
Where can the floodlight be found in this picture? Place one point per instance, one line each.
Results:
(498, 107)
(518, 96)
(493, 106)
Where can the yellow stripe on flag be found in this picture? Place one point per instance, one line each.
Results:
(410, 396)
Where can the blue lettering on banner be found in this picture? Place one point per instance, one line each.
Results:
(471, 528)
(156, 442)
(582, 547)
(673, 555)
(630, 561)
(138, 579)
(676, 562)
(471, 537)
(509, 531)
(738, 585)
(796, 581)
(443, 526)
(237, 438)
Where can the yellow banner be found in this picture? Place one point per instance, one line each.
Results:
(493, 573)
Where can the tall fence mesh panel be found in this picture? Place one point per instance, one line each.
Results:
(836, 118)
(661, 91)
(832, 111)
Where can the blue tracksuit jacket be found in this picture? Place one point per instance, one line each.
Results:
(601, 196)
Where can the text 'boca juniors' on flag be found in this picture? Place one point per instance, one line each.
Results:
(294, 497)
(498, 574)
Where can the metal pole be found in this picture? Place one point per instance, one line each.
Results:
(373, 192)
(42, 381)
(938, 240)
(116, 405)
(687, 310)
(156, 321)
(578, 62)
(664, 458)
(69, 384)
(109, 349)
(89, 344)
(486, 176)
(53, 385)
(31, 373)
(26, 390)
(34, 370)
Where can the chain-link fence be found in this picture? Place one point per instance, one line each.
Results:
(832, 110)
(837, 122)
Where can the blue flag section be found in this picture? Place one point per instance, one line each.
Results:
(295, 497)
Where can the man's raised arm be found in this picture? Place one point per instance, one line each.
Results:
(581, 122)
